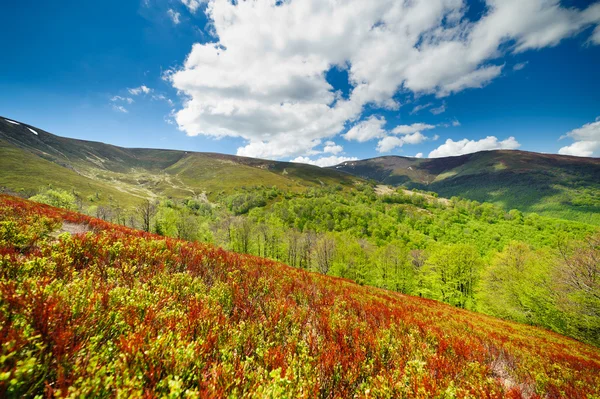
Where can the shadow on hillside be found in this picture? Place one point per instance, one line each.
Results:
(528, 192)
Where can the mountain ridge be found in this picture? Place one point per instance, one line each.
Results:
(554, 185)
(145, 172)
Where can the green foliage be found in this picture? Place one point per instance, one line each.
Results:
(451, 274)
(518, 285)
(576, 281)
(56, 197)
(242, 203)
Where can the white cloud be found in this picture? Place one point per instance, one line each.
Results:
(581, 148)
(174, 15)
(414, 128)
(139, 90)
(595, 39)
(324, 161)
(372, 128)
(193, 5)
(519, 66)
(452, 148)
(128, 100)
(332, 148)
(587, 140)
(272, 90)
(419, 155)
(414, 138)
(439, 110)
(389, 143)
(419, 108)
(162, 97)
(366, 130)
(120, 108)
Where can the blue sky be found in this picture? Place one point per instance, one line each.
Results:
(305, 80)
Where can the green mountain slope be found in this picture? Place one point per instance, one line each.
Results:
(553, 185)
(131, 174)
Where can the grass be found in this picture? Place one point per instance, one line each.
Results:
(129, 174)
(24, 172)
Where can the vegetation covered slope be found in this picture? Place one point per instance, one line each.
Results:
(118, 312)
(554, 185)
(462, 252)
(132, 174)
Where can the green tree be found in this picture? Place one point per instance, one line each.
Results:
(577, 278)
(56, 197)
(518, 286)
(451, 273)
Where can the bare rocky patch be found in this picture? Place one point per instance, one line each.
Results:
(71, 228)
(501, 368)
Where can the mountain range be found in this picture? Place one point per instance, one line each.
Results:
(553, 185)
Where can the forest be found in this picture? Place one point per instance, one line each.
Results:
(521, 267)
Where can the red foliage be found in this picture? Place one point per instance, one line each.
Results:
(247, 318)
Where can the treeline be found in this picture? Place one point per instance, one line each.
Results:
(472, 255)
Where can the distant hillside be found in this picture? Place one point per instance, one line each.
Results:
(554, 185)
(31, 157)
(92, 309)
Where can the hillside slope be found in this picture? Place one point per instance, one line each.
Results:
(554, 185)
(118, 312)
(127, 174)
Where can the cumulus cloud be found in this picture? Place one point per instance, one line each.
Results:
(414, 128)
(264, 78)
(389, 143)
(324, 161)
(373, 128)
(332, 148)
(587, 140)
(419, 155)
(452, 148)
(581, 149)
(139, 90)
(174, 15)
(366, 130)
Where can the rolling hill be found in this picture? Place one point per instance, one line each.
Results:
(92, 309)
(31, 157)
(554, 185)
